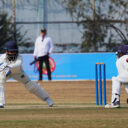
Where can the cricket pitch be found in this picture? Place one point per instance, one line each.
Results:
(74, 107)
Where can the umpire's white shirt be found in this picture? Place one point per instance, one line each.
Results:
(43, 46)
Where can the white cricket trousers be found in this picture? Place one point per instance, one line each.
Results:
(31, 86)
(116, 84)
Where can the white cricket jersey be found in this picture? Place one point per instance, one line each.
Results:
(43, 46)
(16, 66)
(122, 66)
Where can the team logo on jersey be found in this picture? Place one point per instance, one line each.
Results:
(44, 69)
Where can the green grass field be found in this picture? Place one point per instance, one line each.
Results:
(86, 117)
(74, 108)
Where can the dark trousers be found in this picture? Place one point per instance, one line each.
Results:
(44, 59)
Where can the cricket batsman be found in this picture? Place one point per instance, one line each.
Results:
(11, 67)
(121, 78)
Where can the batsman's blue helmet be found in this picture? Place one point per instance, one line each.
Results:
(11, 46)
(123, 49)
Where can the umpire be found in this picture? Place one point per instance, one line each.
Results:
(42, 50)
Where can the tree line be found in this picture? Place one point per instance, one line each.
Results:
(100, 21)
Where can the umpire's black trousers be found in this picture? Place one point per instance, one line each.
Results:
(44, 59)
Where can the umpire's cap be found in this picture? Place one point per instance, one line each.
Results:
(11, 46)
(43, 30)
(123, 49)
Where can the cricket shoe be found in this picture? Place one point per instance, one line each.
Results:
(50, 102)
(1, 106)
(113, 105)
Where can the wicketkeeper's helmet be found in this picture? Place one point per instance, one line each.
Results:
(122, 50)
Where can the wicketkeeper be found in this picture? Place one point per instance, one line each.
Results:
(11, 67)
(121, 78)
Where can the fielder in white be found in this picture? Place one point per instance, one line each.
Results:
(121, 78)
(11, 67)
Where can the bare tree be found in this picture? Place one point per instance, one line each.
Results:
(99, 28)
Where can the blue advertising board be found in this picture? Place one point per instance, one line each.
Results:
(73, 66)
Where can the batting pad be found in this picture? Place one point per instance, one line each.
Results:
(37, 90)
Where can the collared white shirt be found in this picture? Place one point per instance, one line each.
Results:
(43, 46)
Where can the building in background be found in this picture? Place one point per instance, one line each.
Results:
(32, 15)
(66, 37)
